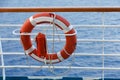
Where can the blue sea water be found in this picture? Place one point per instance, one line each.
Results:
(81, 18)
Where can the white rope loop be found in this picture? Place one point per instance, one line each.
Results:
(16, 32)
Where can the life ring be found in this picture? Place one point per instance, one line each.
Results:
(61, 23)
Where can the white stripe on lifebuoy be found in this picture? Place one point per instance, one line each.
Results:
(30, 49)
(43, 60)
(62, 25)
(70, 27)
(49, 19)
(32, 21)
(42, 19)
(60, 56)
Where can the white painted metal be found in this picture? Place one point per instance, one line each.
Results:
(81, 26)
(3, 67)
(75, 54)
(78, 40)
(2, 62)
(63, 67)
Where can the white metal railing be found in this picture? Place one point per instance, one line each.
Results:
(64, 9)
(2, 61)
(76, 54)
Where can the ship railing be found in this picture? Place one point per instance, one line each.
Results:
(63, 9)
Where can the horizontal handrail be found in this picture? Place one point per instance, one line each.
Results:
(63, 67)
(61, 9)
(75, 54)
(76, 26)
(78, 40)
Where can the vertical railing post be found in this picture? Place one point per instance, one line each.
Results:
(2, 61)
(103, 35)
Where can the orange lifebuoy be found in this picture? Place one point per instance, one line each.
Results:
(59, 21)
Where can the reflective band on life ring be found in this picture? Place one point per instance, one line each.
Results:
(59, 21)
